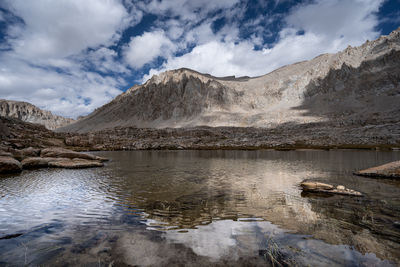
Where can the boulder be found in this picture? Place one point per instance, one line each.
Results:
(9, 165)
(21, 154)
(312, 186)
(75, 163)
(389, 170)
(5, 154)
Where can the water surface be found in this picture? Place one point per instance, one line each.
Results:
(202, 208)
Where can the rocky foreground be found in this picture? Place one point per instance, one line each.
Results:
(26, 145)
(54, 157)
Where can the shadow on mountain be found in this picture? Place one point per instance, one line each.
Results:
(366, 95)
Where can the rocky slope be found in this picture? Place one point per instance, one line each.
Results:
(352, 87)
(30, 113)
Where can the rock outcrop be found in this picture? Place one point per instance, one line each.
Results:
(30, 113)
(389, 170)
(355, 87)
(53, 157)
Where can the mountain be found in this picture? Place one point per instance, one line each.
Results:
(30, 113)
(353, 87)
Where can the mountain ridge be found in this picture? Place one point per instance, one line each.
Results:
(187, 98)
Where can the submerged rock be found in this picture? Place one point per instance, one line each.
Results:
(317, 187)
(9, 165)
(389, 170)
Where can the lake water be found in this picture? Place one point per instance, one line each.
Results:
(167, 208)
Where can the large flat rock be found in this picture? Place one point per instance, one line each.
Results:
(58, 152)
(76, 163)
(389, 170)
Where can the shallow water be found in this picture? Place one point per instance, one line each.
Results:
(201, 208)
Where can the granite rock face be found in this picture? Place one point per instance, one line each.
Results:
(30, 113)
(355, 87)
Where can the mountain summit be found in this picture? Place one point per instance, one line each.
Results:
(353, 86)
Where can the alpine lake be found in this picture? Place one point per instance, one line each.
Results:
(202, 208)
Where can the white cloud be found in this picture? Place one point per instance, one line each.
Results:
(62, 28)
(49, 61)
(145, 48)
(354, 20)
(328, 25)
(190, 10)
(105, 60)
(69, 94)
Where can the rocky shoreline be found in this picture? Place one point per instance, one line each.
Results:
(26, 145)
(16, 135)
(54, 157)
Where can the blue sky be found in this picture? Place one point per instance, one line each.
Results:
(72, 56)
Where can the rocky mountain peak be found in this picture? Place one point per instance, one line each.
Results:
(352, 84)
(30, 113)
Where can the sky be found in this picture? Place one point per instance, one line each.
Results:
(72, 56)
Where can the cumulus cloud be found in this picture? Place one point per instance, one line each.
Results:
(322, 32)
(69, 94)
(145, 48)
(188, 10)
(62, 28)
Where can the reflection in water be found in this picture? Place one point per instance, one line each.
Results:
(207, 207)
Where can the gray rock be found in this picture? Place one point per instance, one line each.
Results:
(317, 187)
(75, 163)
(58, 152)
(36, 162)
(9, 165)
(5, 154)
(389, 170)
(25, 153)
(313, 186)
